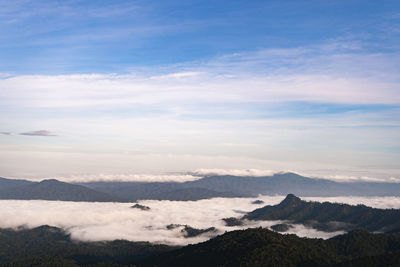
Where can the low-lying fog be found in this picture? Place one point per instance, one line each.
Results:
(88, 221)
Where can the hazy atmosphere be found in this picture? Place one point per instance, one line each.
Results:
(146, 87)
(199, 133)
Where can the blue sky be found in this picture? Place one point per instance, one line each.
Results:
(89, 87)
(114, 36)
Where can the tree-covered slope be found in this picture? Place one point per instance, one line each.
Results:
(47, 243)
(49, 246)
(261, 247)
(330, 216)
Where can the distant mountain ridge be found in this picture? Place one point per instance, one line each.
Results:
(286, 183)
(328, 216)
(204, 188)
(237, 186)
(53, 190)
(8, 183)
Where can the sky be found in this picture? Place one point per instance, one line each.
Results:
(110, 88)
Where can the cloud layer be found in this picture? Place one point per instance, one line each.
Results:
(149, 178)
(108, 221)
(262, 173)
(181, 177)
(237, 172)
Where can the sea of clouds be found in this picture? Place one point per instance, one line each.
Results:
(94, 221)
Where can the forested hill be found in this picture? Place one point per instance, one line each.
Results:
(330, 216)
(261, 247)
(49, 246)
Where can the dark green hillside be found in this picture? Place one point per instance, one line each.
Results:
(49, 246)
(47, 243)
(330, 216)
(260, 247)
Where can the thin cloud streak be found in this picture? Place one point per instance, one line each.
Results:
(39, 133)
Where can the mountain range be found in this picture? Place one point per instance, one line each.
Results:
(51, 190)
(203, 188)
(238, 186)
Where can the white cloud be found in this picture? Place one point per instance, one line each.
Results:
(108, 221)
(346, 179)
(315, 74)
(239, 104)
(248, 172)
(106, 90)
(261, 173)
(375, 202)
(125, 178)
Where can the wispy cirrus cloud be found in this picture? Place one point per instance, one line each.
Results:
(309, 74)
(39, 133)
(327, 104)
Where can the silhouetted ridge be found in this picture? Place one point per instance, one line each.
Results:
(330, 216)
(51, 181)
(8, 183)
(50, 246)
(52, 189)
(261, 247)
(290, 200)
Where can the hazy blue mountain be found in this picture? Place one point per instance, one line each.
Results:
(286, 183)
(7, 183)
(55, 190)
(330, 216)
(160, 191)
(207, 187)
(236, 186)
(193, 193)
